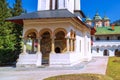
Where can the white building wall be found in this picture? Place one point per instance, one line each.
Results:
(43, 5)
(110, 45)
(71, 5)
(77, 5)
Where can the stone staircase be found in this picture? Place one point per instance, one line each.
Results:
(27, 60)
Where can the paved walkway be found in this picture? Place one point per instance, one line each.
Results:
(97, 65)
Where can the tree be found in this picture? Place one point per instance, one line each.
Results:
(6, 36)
(17, 30)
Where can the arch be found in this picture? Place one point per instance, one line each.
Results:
(116, 52)
(30, 31)
(45, 30)
(60, 40)
(57, 50)
(106, 52)
(114, 47)
(45, 45)
(60, 29)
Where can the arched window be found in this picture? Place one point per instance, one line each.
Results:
(106, 52)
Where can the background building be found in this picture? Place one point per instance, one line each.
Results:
(106, 41)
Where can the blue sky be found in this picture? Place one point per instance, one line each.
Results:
(109, 8)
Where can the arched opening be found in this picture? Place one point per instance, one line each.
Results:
(31, 43)
(97, 50)
(106, 52)
(45, 47)
(116, 52)
(57, 50)
(60, 41)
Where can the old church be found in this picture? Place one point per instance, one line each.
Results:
(54, 35)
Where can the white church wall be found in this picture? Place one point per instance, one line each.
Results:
(71, 6)
(77, 5)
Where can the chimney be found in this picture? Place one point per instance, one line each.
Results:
(113, 26)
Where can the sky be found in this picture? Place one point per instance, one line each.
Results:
(110, 8)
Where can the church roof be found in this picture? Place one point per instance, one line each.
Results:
(62, 13)
(107, 30)
(97, 17)
(88, 19)
(45, 14)
(106, 18)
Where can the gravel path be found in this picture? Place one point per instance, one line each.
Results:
(97, 65)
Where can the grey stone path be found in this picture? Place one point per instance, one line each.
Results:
(97, 65)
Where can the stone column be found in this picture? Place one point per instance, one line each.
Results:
(71, 44)
(74, 44)
(68, 45)
(24, 46)
(53, 45)
(39, 54)
(33, 41)
(38, 50)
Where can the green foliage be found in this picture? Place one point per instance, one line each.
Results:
(10, 34)
(6, 56)
(113, 69)
(17, 29)
(6, 36)
(80, 77)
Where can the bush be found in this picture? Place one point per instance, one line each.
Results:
(7, 57)
(80, 77)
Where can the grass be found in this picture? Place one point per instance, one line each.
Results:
(113, 69)
(80, 77)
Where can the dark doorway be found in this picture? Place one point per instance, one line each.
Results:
(57, 50)
(106, 52)
(116, 52)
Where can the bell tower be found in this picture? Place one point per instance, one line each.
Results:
(71, 5)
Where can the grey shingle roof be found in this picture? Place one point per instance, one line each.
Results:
(63, 13)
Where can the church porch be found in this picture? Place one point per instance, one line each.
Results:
(48, 49)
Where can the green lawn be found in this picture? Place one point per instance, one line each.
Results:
(113, 69)
(80, 77)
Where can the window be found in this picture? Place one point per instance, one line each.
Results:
(97, 38)
(50, 4)
(56, 4)
(119, 38)
(108, 38)
(97, 50)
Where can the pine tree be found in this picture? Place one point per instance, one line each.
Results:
(16, 11)
(6, 36)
